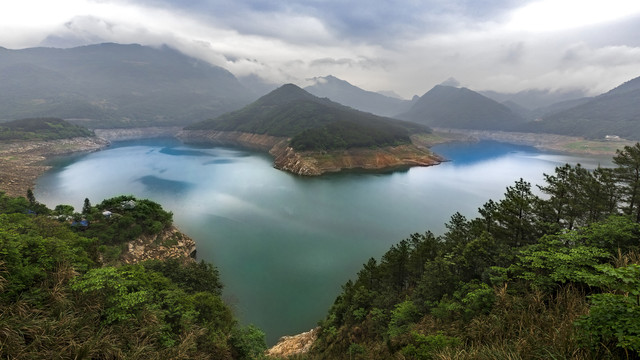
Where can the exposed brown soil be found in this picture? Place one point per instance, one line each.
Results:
(21, 162)
(314, 163)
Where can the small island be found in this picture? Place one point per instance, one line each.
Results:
(312, 136)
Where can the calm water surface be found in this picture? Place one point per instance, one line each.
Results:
(285, 244)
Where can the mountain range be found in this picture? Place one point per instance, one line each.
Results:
(119, 86)
(616, 112)
(113, 85)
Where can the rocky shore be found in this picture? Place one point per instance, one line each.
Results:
(137, 133)
(294, 345)
(315, 163)
(170, 244)
(21, 162)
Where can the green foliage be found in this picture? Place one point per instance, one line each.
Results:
(404, 314)
(424, 347)
(56, 302)
(130, 219)
(554, 260)
(41, 129)
(248, 343)
(192, 278)
(613, 316)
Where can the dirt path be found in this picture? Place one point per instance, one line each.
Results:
(21, 162)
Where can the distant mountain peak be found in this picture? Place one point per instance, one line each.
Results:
(345, 93)
(451, 82)
(451, 107)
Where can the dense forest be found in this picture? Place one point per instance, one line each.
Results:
(63, 294)
(554, 276)
(313, 123)
(41, 129)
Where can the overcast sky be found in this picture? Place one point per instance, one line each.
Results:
(407, 46)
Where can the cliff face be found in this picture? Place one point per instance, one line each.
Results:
(293, 345)
(318, 163)
(314, 163)
(169, 244)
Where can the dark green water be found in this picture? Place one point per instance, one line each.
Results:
(285, 244)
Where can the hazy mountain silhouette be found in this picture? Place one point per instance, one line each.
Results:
(533, 99)
(616, 112)
(461, 108)
(115, 85)
(345, 93)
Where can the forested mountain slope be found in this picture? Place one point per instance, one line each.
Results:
(312, 123)
(616, 112)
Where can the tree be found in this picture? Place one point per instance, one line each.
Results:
(628, 175)
(516, 216)
(86, 208)
(30, 197)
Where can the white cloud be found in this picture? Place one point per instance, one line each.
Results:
(385, 47)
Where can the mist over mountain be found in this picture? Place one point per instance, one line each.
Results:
(347, 94)
(113, 85)
(460, 108)
(533, 99)
(616, 112)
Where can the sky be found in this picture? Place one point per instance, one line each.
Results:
(404, 46)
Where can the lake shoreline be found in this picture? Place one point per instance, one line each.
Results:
(549, 142)
(23, 162)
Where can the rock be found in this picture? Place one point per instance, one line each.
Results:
(169, 244)
(293, 345)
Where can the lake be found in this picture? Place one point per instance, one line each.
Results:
(285, 244)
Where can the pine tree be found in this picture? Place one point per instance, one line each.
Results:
(86, 208)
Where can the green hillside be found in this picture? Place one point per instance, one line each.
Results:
(313, 123)
(64, 295)
(460, 108)
(41, 129)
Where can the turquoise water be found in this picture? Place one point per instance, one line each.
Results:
(285, 244)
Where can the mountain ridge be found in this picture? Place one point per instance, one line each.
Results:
(460, 108)
(114, 85)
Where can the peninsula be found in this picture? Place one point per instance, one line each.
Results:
(312, 136)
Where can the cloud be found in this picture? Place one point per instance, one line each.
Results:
(405, 46)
